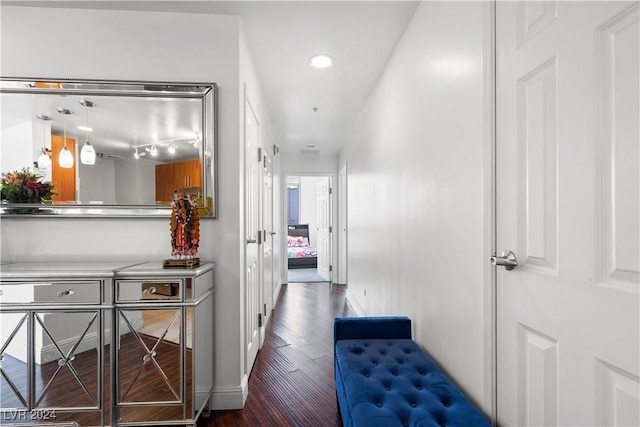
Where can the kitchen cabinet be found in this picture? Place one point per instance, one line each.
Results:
(63, 179)
(183, 176)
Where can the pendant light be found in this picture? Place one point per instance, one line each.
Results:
(65, 158)
(87, 154)
(44, 161)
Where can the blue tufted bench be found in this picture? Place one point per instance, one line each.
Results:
(384, 379)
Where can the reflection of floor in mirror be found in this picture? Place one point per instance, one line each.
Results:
(156, 321)
(58, 386)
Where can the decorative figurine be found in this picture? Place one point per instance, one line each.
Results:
(185, 230)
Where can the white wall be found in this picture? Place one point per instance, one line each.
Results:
(97, 182)
(142, 46)
(13, 156)
(293, 164)
(135, 181)
(415, 199)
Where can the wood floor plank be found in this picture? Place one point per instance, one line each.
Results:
(291, 383)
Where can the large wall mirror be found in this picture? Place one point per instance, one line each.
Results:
(110, 148)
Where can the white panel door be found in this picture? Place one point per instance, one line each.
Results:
(568, 206)
(252, 230)
(267, 246)
(323, 218)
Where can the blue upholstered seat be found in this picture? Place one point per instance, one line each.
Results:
(392, 382)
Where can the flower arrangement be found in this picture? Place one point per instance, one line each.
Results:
(25, 187)
(185, 227)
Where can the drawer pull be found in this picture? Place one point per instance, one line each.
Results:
(148, 291)
(63, 294)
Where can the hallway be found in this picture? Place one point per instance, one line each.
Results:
(292, 380)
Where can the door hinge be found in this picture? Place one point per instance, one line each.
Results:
(259, 237)
(330, 229)
(330, 190)
(259, 154)
(265, 310)
(260, 320)
(331, 268)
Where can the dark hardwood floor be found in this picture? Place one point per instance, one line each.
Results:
(291, 383)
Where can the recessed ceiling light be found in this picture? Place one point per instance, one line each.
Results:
(85, 128)
(321, 61)
(311, 145)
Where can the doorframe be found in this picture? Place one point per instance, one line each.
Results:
(283, 220)
(489, 309)
(264, 309)
(343, 229)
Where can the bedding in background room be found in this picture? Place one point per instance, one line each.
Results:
(300, 253)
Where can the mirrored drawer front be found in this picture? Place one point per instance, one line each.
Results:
(148, 291)
(73, 292)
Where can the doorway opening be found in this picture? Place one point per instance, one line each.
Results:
(308, 207)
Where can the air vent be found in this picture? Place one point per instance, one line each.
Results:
(310, 152)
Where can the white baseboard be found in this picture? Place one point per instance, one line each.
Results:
(354, 303)
(232, 397)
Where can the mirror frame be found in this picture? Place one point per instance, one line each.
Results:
(206, 92)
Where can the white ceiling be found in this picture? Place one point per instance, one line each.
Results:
(282, 36)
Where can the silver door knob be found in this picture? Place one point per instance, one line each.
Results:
(507, 259)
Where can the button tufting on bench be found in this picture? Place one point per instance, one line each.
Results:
(395, 384)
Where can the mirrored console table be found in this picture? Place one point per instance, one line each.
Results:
(60, 361)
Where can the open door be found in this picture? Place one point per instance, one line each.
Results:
(323, 200)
